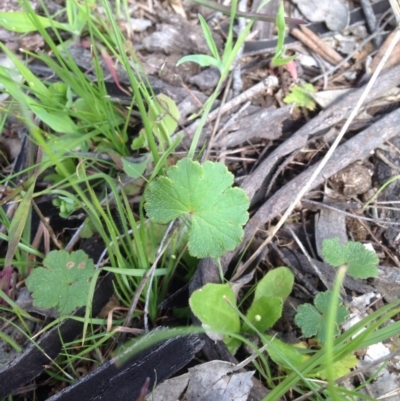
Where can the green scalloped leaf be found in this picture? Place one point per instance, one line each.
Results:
(63, 282)
(360, 261)
(202, 196)
(313, 319)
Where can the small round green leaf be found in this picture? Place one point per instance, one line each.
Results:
(263, 313)
(276, 283)
(210, 306)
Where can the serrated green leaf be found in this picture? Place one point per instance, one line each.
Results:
(333, 252)
(211, 308)
(63, 282)
(301, 96)
(202, 196)
(263, 313)
(361, 262)
(312, 319)
(276, 283)
(308, 319)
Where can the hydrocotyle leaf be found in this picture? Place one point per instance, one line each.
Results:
(360, 261)
(63, 282)
(202, 196)
(313, 319)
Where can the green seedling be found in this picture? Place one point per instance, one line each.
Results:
(214, 60)
(63, 282)
(301, 96)
(202, 197)
(205, 60)
(163, 116)
(359, 262)
(279, 58)
(269, 296)
(66, 205)
(210, 305)
(312, 318)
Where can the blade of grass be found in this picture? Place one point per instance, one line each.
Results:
(19, 220)
(88, 310)
(8, 340)
(330, 332)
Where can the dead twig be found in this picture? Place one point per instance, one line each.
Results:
(267, 83)
(317, 45)
(325, 120)
(370, 17)
(356, 148)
